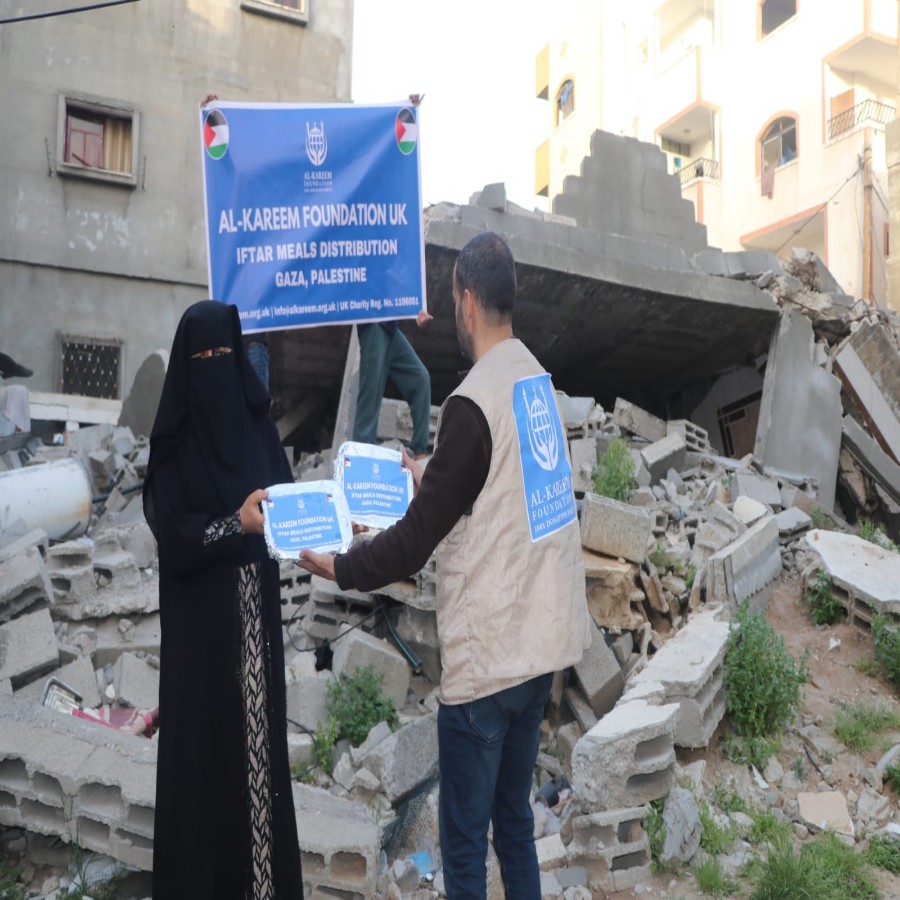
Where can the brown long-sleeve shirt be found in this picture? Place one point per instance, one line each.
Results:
(452, 481)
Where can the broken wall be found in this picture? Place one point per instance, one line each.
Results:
(799, 427)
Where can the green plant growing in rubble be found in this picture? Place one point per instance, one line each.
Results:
(356, 704)
(872, 533)
(887, 647)
(824, 607)
(762, 680)
(613, 476)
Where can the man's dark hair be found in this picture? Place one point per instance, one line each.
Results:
(485, 267)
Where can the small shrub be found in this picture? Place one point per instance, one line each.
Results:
(658, 556)
(324, 739)
(750, 751)
(613, 476)
(762, 680)
(729, 801)
(820, 519)
(712, 881)
(356, 704)
(856, 725)
(887, 647)
(884, 852)
(714, 839)
(824, 869)
(766, 829)
(11, 887)
(690, 573)
(892, 777)
(656, 835)
(799, 769)
(872, 533)
(823, 605)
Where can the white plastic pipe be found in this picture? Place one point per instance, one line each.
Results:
(53, 496)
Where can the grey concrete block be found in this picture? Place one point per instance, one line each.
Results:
(24, 581)
(583, 452)
(613, 528)
(339, 844)
(632, 418)
(689, 666)
(695, 437)
(115, 637)
(136, 683)
(404, 760)
(355, 650)
(28, 647)
(664, 454)
(757, 487)
(628, 758)
(743, 568)
(792, 521)
(599, 675)
(613, 847)
(307, 698)
(35, 538)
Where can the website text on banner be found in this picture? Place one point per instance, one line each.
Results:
(313, 213)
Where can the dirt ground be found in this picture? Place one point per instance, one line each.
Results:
(838, 674)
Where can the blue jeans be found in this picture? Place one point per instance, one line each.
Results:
(487, 751)
(258, 356)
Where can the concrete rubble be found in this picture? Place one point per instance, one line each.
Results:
(702, 533)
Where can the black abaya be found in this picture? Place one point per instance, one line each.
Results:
(225, 823)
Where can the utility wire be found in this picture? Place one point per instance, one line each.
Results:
(787, 240)
(65, 12)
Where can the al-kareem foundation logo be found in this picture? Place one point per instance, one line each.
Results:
(317, 180)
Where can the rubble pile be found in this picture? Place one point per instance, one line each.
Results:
(699, 534)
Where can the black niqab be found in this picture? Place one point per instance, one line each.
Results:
(209, 415)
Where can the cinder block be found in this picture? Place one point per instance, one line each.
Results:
(664, 454)
(551, 852)
(112, 562)
(718, 531)
(584, 458)
(689, 667)
(616, 529)
(406, 758)
(638, 421)
(136, 683)
(695, 437)
(24, 581)
(307, 698)
(28, 648)
(613, 847)
(628, 758)
(355, 650)
(599, 675)
(71, 568)
(330, 608)
(340, 843)
(746, 566)
(757, 487)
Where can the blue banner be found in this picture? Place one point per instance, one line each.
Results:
(546, 473)
(313, 213)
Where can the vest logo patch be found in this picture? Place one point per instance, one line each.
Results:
(546, 473)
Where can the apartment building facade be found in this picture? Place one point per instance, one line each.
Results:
(102, 226)
(772, 114)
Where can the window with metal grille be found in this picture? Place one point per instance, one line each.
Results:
(90, 366)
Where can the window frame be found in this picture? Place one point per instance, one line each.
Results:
(766, 135)
(73, 102)
(760, 34)
(276, 9)
(560, 117)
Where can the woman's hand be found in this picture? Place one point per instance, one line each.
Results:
(251, 514)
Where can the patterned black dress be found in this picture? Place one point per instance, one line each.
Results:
(225, 822)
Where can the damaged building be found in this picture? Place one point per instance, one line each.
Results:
(758, 402)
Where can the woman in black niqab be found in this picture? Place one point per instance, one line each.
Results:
(225, 824)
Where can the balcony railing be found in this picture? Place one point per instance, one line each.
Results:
(868, 111)
(699, 168)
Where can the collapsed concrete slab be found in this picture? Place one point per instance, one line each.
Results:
(745, 567)
(76, 780)
(28, 647)
(799, 423)
(866, 578)
(612, 592)
(632, 418)
(614, 529)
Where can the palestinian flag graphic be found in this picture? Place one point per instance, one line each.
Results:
(215, 134)
(407, 131)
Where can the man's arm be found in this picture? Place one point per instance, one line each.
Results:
(452, 481)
